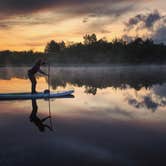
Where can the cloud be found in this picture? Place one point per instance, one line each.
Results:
(31, 12)
(29, 6)
(152, 18)
(105, 31)
(146, 20)
(159, 35)
(154, 23)
(85, 20)
(160, 90)
(3, 25)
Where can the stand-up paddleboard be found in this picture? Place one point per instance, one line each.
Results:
(40, 95)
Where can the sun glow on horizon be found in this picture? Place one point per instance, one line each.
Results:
(33, 30)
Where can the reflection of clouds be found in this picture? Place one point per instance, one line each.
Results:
(160, 90)
(134, 103)
(68, 144)
(90, 149)
(153, 100)
(113, 113)
(150, 104)
(147, 102)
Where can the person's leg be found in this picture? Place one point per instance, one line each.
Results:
(33, 80)
(34, 110)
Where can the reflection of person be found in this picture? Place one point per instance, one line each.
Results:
(36, 120)
(33, 71)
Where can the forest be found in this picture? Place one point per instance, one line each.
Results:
(91, 51)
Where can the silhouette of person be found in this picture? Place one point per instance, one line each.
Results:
(33, 71)
(36, 120)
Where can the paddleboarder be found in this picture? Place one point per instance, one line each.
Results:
(33, 71)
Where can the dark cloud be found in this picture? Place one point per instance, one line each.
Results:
(30, 20)
(85, 20)
(105, 31)
(152, 18)
(14, 7)
(32, 5)
(4, 26)
(27, 9)
(154, 22)
(102, 15)
(143, 20)
(159, 35)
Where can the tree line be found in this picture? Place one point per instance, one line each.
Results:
(92, 51)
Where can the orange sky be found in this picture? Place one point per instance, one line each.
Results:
(31, 27)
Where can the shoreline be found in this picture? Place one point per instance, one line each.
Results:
(90, 65)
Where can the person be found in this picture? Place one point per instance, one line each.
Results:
(33, 71)
(36, 120)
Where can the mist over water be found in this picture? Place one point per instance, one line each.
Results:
(118, 117)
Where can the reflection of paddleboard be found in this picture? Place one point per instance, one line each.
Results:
(40, 95)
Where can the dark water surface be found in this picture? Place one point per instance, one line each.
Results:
(118, 117)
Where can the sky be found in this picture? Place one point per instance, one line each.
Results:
(31, 24)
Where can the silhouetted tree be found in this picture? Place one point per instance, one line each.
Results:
(102, 40)
(90, 39)
(92, 51)
(62, 45)
(138, 41)
(52, 47)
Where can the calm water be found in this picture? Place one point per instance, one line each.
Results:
(118, 117)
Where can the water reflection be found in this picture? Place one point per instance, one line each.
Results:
(116, 118)
(136, 87)
(94, 78)
(152, 100)
(38, 121)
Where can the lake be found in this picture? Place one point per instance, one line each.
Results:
(117, 117)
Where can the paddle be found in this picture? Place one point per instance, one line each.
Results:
(49, 103)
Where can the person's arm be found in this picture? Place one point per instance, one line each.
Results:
(42, 72)
(45, 118)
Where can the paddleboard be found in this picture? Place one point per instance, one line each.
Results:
(40, 95)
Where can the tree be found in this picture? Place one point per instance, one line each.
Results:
(90, 39)
(103, 40)
(52, 47)
(62, 45)
(138, 41)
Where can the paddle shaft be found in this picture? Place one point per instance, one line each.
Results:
(49, 77)
(49, 93)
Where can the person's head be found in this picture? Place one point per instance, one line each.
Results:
(42, 61)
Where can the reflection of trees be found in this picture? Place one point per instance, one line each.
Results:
(93, 78)
(9, 72)
(90, 90)
(98, 77)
